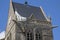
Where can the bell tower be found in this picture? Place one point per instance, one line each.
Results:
(26, 22)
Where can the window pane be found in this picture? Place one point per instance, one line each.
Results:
(29, 36)
(38, 37)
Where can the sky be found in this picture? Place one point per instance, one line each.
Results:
(50, 7)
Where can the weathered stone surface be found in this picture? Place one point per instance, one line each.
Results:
(22, 30)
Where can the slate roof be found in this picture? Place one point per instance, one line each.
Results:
(26, 10)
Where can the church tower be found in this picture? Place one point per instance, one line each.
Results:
(26, 22)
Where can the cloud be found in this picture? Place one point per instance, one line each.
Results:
(2, 35)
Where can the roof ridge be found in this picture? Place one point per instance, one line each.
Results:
(24, 4)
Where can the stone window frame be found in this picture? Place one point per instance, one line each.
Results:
(38, 31)
(29, 35)
(38, 36)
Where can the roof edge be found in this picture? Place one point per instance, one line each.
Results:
(45, 14)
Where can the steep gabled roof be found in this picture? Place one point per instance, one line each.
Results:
(26, 11)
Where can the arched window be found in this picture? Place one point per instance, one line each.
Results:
(38, 36)
(29, 36)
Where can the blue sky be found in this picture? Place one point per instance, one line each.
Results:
(51, 8)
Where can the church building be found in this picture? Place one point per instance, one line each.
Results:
(26, 22)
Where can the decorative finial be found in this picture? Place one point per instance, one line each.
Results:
(26, 2)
